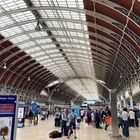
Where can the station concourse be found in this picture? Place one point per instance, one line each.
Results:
(59, 53)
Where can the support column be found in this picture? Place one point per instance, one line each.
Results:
(120, 104)
(124, 102)
(115, 130)
(131, 100)
(49, 101)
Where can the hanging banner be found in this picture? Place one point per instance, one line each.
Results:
(8, 117)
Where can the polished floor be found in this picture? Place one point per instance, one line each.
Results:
(41, 132)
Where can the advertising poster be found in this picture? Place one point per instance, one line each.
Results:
(20, 113)
(20, 122)
(8, 110)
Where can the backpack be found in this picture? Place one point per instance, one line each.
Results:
(55, 134)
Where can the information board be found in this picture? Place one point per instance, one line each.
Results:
(8, 119)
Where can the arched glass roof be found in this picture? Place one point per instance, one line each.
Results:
(71, 39)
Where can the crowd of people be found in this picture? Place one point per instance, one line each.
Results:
(67, 120)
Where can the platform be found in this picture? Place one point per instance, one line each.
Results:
(41, 132)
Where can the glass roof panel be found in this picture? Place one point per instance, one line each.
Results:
(23, 16)
(61, 41)
(12, 5)
(20, 39)
(11, 31)
(5, 20)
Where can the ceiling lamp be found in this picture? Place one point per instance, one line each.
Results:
(37, 28)
(29, 78)
(5, 67)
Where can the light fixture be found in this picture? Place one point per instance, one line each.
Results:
(29, 78)
(37, 28)
(5, 67)
(100, 81)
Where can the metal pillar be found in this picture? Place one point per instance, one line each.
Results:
(115, 130)
(49, 101)
(131, 100)
(120, 103)
(124, 102)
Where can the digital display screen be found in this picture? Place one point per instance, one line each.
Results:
(6, 108)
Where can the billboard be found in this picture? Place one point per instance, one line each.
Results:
(8, 113)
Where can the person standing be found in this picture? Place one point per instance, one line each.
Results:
(30, 116)
(82, 114)
(72, 124)
(132, 118)
(89, 116)
(125, 123)
(63, 121)
(97, 119)
(57, 118)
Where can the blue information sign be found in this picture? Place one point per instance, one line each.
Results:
(8, 111)
(77, 111)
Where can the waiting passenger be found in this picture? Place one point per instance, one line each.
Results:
(57, 118)
(30, 116)
(64, 121)
(132, 118)
(125, 123)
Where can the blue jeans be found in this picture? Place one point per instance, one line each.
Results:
(125, 128)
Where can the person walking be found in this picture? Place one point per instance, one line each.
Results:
(125, 123)
(72, 124)
(107, 121)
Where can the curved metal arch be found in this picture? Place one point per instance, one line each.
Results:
(50, 80)
(23, 71)
(103, 18)
(108, 68)
(35, 79)
(122, 61)
(127, 49)
(103, 26)
(10, 76)
(84, 11)
(9, 57)
(7, 48)
(58, 42)
(44, 75)
(112, 8)
(18, 68)
(113, 54)
(30, 72)
(97, 64)
(43, 79)
(115, 66)
(14, 63)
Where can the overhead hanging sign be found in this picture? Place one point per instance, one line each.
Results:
(8, 119)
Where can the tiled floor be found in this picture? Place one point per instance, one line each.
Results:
(41, 132)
